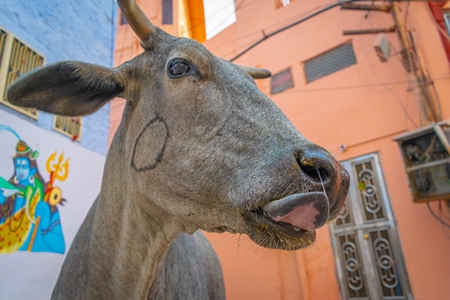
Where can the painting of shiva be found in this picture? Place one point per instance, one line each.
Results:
(29, 216)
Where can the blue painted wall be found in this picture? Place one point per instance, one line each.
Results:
(81, 30)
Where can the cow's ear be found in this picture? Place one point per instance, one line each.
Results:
(66, 88)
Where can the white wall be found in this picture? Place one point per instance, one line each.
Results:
(30, 275)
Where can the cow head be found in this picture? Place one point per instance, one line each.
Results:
(198, 140)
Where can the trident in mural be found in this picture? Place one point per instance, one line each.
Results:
(57, 170)
(29, 217)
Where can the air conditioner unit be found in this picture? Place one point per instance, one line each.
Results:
(426, 158)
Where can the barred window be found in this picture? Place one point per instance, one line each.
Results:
(281, 81)
(330, 62)
(71, 127)
(16, 59)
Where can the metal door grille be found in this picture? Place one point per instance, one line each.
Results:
(383, 254)
(329, 62)
(356, 287)
(368, 254)
(345, 218)
(369, 192)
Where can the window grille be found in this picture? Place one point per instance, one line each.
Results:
(71, 127)
(16, 59)
(281, 81)
(330, 62)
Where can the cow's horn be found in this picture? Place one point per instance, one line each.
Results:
(256, 73)
(138, 21)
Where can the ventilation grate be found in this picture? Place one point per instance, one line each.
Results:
(281, 81)
(330, 62)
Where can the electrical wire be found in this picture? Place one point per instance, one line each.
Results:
(437, 217)
(267, 36)
(356, 86)
(424, 79)
(444, 229)
(441, 210)
(435, 23)
(331, 6)
(265, 29)
(387, 88)
(405, 18)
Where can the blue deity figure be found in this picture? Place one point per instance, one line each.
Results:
(45, 234)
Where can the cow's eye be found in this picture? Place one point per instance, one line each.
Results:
(178, 68)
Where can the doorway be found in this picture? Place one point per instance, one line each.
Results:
(368, 255)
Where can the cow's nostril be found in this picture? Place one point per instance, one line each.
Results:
(317, 173)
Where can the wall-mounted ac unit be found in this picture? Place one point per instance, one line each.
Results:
(426, 157)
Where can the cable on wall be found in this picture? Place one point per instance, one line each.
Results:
(331, 6)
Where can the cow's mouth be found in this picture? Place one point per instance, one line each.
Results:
(288, 223)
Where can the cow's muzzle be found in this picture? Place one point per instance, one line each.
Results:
(321, 170)
(317, 190)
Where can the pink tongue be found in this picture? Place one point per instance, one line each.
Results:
(306, 211)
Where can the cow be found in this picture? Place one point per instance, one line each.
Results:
(199, 147)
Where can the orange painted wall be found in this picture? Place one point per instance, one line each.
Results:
(363, 106)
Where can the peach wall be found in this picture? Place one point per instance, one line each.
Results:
(252, 272)
(363, 106)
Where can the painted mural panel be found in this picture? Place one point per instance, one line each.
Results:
(29, 204)
(70, 176)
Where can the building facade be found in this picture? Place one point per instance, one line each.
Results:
(344, 94)
(353, 94)
(50, 166)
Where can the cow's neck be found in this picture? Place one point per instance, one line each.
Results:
(119, 248)
(128, 248)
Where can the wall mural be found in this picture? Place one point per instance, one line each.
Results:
(29, 216)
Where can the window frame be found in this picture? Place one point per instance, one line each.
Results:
(5, 61)
(285, 87)
(322, 54)
(446, 15)
(67, 133)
